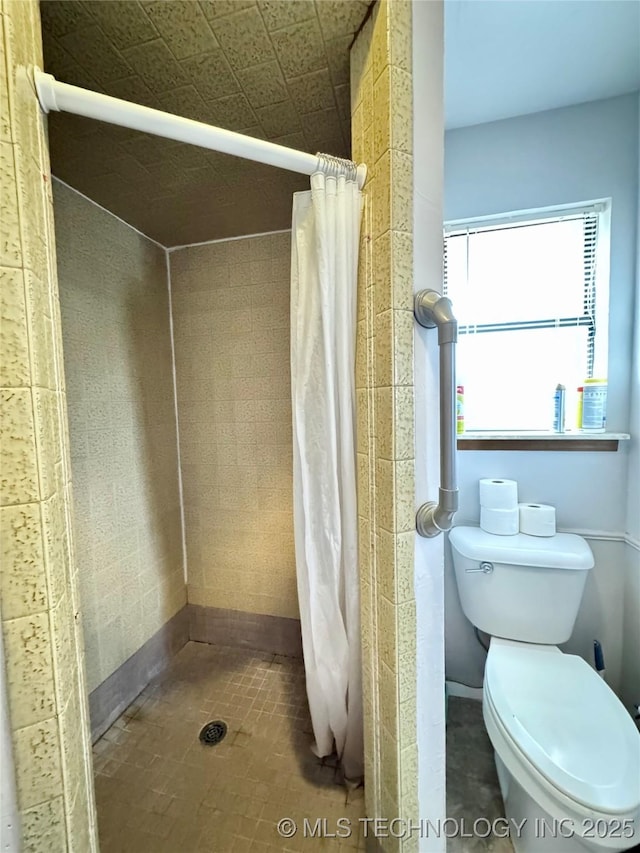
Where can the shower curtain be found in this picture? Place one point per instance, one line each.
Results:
(324, 262)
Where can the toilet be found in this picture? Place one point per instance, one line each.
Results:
(567, 752)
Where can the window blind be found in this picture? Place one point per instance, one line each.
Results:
(470, 283)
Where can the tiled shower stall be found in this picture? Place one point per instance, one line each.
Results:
(99, 578)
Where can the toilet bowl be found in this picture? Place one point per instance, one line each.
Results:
(567, 752)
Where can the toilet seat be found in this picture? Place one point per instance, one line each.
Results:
(565, 724)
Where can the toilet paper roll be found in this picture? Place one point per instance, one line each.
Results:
(503, 522)
(537, 519)
(499, 494)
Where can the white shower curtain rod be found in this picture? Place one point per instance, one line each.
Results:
(62, 97)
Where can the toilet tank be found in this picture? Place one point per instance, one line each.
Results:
(521, 587)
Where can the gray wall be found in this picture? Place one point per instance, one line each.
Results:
(630, 682)
(574, 154)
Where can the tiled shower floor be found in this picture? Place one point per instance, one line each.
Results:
(159, 790)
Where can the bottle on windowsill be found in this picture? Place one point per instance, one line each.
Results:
(559, 408)
(459, 409)
(594, 405)
(580, 391)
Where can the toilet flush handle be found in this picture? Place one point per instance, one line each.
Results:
(485, 567)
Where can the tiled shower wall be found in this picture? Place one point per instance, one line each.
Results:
(231, 325)
(381, 91)
(38, 576)
(274, 70)
(119, 374)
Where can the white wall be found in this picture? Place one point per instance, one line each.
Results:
(573, 154)
(630, 677)
(428, 145)
(561, 156)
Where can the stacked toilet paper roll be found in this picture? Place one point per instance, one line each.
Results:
(499, 506)
(537, 519)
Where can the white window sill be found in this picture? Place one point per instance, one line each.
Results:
(540, 440)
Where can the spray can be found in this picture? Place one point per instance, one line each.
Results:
(558, 408)
(594, 405)
(459, 409)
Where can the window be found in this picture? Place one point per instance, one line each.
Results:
(530, 292)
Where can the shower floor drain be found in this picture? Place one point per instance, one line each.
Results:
(213, 732)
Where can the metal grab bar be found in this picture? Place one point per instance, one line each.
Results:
(432, 310)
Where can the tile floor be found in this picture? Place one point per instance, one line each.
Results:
(472, 783)
(159, 790)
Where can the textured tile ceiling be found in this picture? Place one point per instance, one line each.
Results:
(274, 69)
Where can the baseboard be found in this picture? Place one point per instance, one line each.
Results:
(277, 634)
(118, 691)
(454, 688)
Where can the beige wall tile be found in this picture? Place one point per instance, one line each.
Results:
(409, 779)
(406, 620)
(403, 348)
(400, 44)
(394, 422)
(55, 548)
(385, 515)
(390, 761)
(80, 822)
(384, 424)
(47, 434)
(29, 669)
(401, 179)
(71, 754)
(6, 130)
(386, 563)
(23, 586)
(364, 485)
(384, 364)
(382, 127)
(63, 620)
(40, 331)
(402, 114)
(404, 485)
(38, 773)
(14, 368)
(382, 121)
(403, 411)
(383, 205)
(18, 467)
(389, 707)
(407, 675)
(35, 464)
(32, 205)
(411, 844)
(388, 806)
(117, 353)
(234, 409)
(408, 724)
(10, 245)
(43, 827)
(382, 279)
(380, 39)
(387, 632)
(393, 271)
(405, 588)
(395, 566)
(404, 480)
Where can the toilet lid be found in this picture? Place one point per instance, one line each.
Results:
(568, 723)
